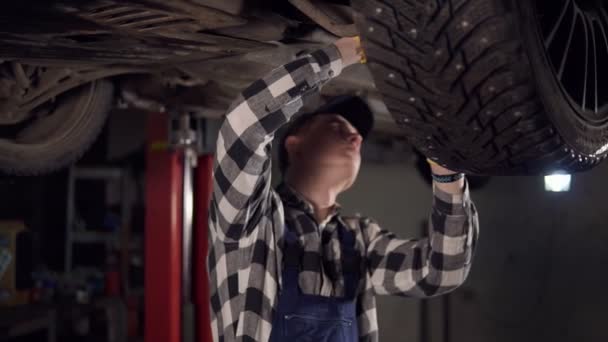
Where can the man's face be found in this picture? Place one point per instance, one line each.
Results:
(330, 144)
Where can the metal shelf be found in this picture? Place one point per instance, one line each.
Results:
(105, 174)
(122, 239)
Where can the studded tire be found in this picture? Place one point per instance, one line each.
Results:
(470, 84)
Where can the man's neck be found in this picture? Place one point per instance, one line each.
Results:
(321, 195)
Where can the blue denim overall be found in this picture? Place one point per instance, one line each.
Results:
(302, 317)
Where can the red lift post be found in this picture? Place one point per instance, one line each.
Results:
(203, 188)
(178, 190)
(163, 235)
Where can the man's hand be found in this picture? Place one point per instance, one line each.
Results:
(350, 50)
(440, 170)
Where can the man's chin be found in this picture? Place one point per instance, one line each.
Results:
(350, 154)
(347, 160)
(349, 166)
(343, 163)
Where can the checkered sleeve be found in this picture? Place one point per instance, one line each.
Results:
(429, 266)
(242, 161)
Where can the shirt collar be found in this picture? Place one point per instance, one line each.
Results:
(293, 199)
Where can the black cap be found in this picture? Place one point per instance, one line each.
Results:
(352, 108)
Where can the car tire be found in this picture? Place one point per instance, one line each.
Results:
(59, 139)
(475, 88)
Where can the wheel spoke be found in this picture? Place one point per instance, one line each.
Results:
(557, 24)
(562, 66)
(575, 37)
(604, 39)
(595, 75)
(595, 67)
(605, 36)
(586, 72)
(604, 14)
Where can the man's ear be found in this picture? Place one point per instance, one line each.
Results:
(291, 143)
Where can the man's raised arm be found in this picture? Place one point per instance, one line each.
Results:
(243, 157)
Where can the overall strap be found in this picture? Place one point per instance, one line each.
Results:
(292, 254)
(292, 251)
(350, 262)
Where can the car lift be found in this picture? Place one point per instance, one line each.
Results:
(178, 190)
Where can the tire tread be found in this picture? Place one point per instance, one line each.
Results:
(475, 106)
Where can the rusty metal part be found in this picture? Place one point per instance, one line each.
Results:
(175, 28)
(20, 76)
(108, 49)
(320, 14)
(129, 99)
(151, 92)
(48, 84)
(271, 28)
(198, 71)
(236, 7)
(152, 16)
(240, 70)
(116, 32)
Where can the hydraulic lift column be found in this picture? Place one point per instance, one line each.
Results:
(163, 246)
(203, 188)
(178, 189)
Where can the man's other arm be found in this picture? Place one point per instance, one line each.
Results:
(429, 266)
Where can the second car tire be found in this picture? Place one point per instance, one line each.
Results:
(59, 139)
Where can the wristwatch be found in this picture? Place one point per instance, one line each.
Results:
(447, 178)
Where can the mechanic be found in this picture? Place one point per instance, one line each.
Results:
(284, 264)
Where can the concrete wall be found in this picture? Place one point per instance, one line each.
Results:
(399, 200)
(540, 268)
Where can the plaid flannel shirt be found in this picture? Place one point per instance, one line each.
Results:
(247, 221)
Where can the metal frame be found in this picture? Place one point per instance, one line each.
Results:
(72, 236)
